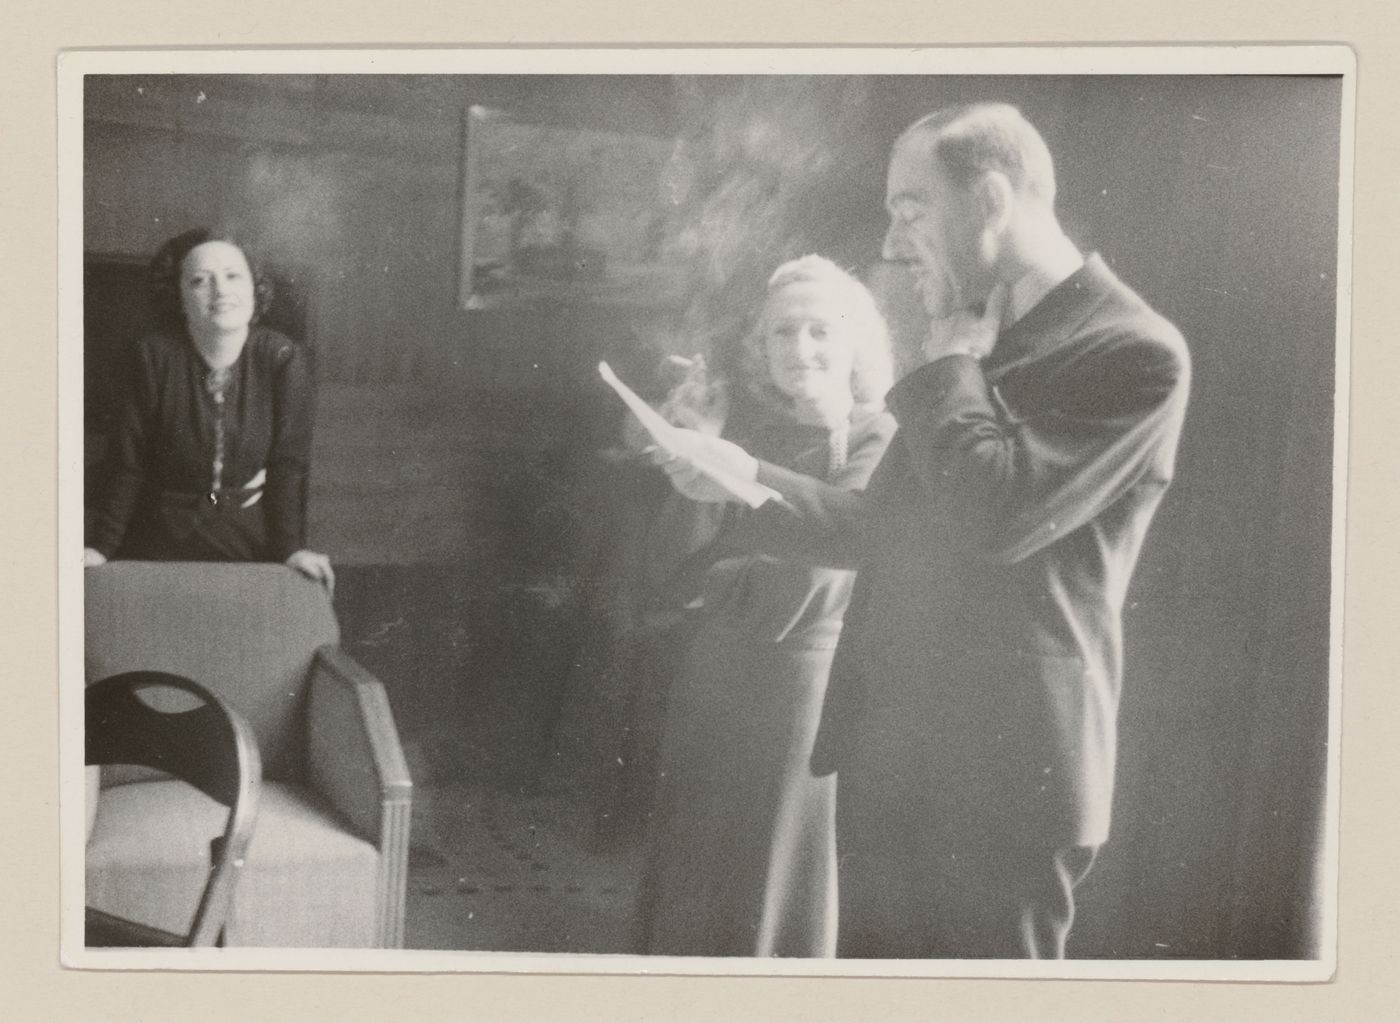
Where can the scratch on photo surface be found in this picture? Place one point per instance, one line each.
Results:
(381, 632)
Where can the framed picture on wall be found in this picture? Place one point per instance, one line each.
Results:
(569, 214)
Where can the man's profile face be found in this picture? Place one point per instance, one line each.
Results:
(934, 228)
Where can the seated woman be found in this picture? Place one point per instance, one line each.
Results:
(208, 455)
(743, 857)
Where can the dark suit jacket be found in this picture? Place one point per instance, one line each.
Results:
(979, 674)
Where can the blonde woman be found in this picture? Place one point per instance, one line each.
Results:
(742, 860)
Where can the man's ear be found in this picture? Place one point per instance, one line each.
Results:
(995, 200)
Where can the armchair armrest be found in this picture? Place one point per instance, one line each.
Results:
(355, 761)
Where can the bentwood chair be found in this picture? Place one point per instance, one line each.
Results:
(172, 724)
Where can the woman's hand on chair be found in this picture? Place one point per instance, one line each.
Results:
(92, 558)
(316, 567)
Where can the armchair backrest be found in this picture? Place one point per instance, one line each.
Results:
(247, 632)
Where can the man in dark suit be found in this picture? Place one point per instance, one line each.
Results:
(972, 709)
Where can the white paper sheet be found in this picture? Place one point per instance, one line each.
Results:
(678, 442)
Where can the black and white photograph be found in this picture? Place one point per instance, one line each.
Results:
(842, 512)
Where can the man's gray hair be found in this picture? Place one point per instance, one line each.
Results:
(968, 141)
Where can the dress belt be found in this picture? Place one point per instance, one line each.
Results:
(223, 498)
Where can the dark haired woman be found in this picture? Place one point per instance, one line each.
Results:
(208, 456)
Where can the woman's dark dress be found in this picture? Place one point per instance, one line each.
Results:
(743, 858)
(162, 498)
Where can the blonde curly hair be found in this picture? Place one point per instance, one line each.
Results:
(873, 372)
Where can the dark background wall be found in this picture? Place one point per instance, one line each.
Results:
(455, 476)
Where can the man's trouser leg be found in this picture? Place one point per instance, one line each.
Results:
(910, 893)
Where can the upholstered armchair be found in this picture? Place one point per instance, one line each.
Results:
(327, 864)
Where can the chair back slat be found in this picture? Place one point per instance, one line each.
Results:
(197, 745)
